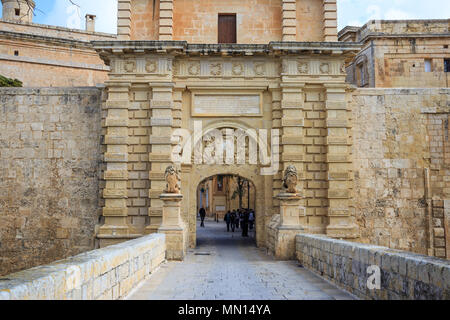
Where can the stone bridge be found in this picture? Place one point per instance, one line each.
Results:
(227, 266)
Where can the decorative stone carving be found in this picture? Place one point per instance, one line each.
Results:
(151, 66)
(343, 68)
(237, 69)
(325, 68)
(176, 67)
(130, 66)
(194, 68)
(216, 69)
(172, 177)
(290, 179)
(259, 68)
(303, 67)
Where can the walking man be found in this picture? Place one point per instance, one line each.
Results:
(233, 220)
(202, 216)
(244, 223)
(251, 219)
(227, 219)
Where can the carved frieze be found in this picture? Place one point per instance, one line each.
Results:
(259, 68)
(303, 67)
(237, 69)
(216, 69)
(324, 68)
(130, 66)
(194, 68)
(151, 66)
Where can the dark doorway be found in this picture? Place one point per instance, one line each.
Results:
(227, 28)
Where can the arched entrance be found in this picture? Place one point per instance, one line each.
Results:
(200, 173)
(224, 193)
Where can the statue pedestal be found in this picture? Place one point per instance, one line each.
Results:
(173, 227)
(292, 222)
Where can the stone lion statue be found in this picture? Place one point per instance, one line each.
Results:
(172, 179)
(290, 179)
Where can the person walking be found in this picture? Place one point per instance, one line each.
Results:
(237, 218)
(244, 223)
(202, 216)
(251, 219)
(227, 219)
(233, 220)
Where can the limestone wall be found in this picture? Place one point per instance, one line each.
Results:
(401, 168)
(258, 21)
(403, 275)
(50, 162)
(104, 274)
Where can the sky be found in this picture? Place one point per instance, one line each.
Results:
(350, 12)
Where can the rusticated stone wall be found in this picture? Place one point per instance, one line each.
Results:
(50, 163)
(401, 168)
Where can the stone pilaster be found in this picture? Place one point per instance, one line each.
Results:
(124, 20)
(330, 21)
(173, 226)
(289, 20)
(292, 148)
(292, 222)
(161, 123)
(166, 20)
(276, 125)
(115, 211)
(339, 164)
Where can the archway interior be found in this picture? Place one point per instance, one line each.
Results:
(224, 193)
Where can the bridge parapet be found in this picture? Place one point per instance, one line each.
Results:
(109, 273)
(373, 272)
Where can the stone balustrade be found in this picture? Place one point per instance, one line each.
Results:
(108, 273)
(352, 266)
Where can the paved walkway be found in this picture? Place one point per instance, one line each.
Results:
(225, 266)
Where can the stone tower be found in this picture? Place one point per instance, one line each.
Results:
(18, 10)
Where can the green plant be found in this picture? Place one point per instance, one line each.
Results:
(7, 82)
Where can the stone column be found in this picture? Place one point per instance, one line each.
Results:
(292, 222)
(330, 21)
(124, 20)
(173, 227)
(339, 164)
(289, 22)
(116, 226)
(166, 20)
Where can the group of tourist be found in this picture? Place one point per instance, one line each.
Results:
(245, 218)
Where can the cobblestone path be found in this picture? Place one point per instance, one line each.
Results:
(225, 266)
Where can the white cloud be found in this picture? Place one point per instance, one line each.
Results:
(105, 10)
(395, 14)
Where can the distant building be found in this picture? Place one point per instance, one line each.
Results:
(400, 53)
(41, 55)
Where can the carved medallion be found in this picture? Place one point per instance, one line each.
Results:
(303, 67)
(151, 66)
(325, 68)
(194, 68)
(130, 66)
(259, 68)
(237, 69)
(215, 69)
